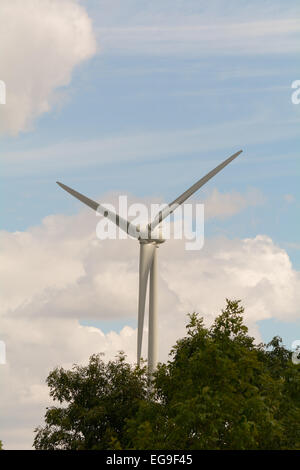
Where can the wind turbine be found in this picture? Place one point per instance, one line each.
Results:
(149, 242)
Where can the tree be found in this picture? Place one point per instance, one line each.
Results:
(98, 398)
(219, 390)
(1, 445)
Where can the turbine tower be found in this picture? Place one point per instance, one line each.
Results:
(149, 242)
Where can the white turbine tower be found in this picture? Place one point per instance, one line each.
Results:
(149, 242)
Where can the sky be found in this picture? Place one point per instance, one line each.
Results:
(141, 98)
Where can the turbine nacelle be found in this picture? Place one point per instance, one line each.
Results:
(146, 235)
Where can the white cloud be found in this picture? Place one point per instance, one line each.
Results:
(224, 205)
(42, 41)
(58, 273)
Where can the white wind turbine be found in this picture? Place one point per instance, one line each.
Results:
(149, 241)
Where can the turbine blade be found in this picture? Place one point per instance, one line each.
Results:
(89, 202)
(146, 258)
(128, 227)
(189, 192)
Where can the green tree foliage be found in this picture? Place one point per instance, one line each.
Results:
(1, 445)
(219, 390)
(97, 400)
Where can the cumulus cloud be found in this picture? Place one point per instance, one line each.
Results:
(224, 205)
(42, 41)
(57, 274)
